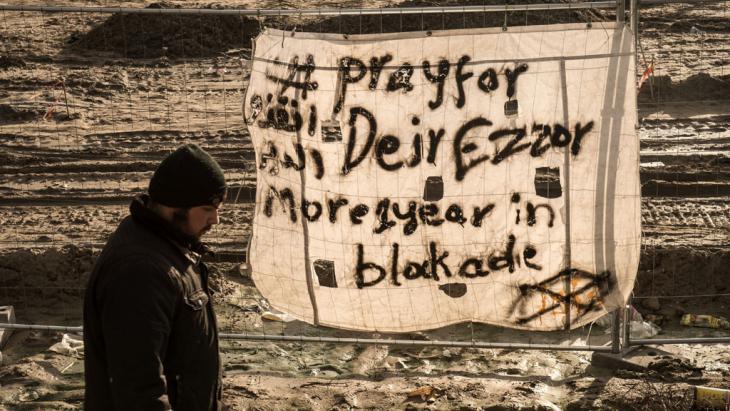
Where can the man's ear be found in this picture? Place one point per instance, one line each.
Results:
(167, 213)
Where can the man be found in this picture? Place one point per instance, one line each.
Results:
(151, 341)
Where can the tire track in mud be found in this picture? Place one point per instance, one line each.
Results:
(680, 158)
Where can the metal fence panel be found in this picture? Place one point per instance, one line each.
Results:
(93, 100)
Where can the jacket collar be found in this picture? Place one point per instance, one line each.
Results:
(143, 215)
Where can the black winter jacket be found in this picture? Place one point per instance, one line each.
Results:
(151, 341)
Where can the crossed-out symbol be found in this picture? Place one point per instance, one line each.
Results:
(554, 287)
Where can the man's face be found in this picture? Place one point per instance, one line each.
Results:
(198, 220)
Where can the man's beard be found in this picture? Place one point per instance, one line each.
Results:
(180, 220)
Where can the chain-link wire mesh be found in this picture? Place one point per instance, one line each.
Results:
(683, 104)
(93, 101)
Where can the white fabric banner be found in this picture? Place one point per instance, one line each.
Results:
(410, 181)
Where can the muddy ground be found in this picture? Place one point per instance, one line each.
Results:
(89, 103)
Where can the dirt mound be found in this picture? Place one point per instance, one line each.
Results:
(700, 86)
(11, 115)
(173, 36)
(47, 285)
(190, 36)
(7, 62)
(442, 21)
(66, 267)
(683, 271)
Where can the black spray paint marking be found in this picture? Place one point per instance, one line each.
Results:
(472, 268)
(529, 253)
(256, 106)
(559, 136)
(333, 206)
(461, 166)
(282, 113)
(269, 202)
(345, 77)
(376, 67)
(312, 120)
(372, 129)
(488, 81)
(532, 213)
(288, 196)
(465, 153)
(499, 261)
(270, 158)
(460, 79)
(394, 266)
(363, 266)
(286, 199)
(455, 214)
(318, 163)
(543, 132)
(512, 78)
(289, 162)
(435, 267)
(434, 139)
(600, 284)
(580, 132)
(428, 214)
(417, 145)
(381, 211)
(277, 116)
(401, 78)
(387, 145)
(409, 215)
(437, 260)
(293, 69)
(357, 212)
(311, 217)
(480, 213)
(439, 79)
(512, 147)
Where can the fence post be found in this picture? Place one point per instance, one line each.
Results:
(635, 19)
(620, 11)
(634, 25)
(627, 326)
(616, 331)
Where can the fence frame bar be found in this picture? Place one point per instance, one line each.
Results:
(678, 341)
(621, 329)
(343, 11)
(317, 12)
(350, 340)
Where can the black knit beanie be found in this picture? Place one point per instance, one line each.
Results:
(188, 177)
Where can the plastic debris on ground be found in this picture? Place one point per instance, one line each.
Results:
(276, 316)
(640, 328)
(70, 344)
(705, 321)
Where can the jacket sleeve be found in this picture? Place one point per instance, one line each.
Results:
(137, 303)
